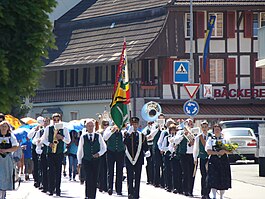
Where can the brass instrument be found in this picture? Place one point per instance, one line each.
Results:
(190, 135)
(55, 141)
(57, 126)
(150, 111)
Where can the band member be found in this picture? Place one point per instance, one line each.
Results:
(41, 150)
(157, 156)
(199, 152)
(8, 144)
(185, 151)
(168, 157)
(150, 163)
(115, 154)
(102, 181)
(91, 147)
(136, 146)
(219, 173)
(35, 158)
(55, 137)
(163, 134)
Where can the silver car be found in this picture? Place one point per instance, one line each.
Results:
(246, 140)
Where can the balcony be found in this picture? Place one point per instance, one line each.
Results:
(87, 93)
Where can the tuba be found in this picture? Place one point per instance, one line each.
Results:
(151, 111)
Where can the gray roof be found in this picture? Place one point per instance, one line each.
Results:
(88, 9)
(220, 2)
(103, 44)
(93, 31)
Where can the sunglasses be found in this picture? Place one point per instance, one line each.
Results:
(105, 124)
(56, 120)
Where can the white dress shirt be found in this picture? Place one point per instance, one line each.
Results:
(66, 139)
(80, 150)
(179, 137)
(196, 147)
(160, 140)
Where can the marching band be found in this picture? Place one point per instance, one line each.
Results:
(172, 151)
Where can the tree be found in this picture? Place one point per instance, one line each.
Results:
(25, 38)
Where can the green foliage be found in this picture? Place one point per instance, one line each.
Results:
(26, 36)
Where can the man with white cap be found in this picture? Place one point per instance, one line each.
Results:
(185, 150)
(91, 147)
(55, 137)
(41, 151)
(31, 135)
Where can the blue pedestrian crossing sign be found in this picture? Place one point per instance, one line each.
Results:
(191, 108)
(181, 71)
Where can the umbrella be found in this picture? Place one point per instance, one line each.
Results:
(21, 133)
(28, 120)
(77, 126)
(14, 122)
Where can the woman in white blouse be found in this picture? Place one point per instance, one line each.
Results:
(219, 173)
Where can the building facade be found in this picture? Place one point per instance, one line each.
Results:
(79, 76)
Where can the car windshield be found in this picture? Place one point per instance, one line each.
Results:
(238, 132)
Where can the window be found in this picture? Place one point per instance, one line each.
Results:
(73, 115)
(258, 21)
(148, 69)
(216, 71)
(255, 24)
(187, 25)
(218, 26)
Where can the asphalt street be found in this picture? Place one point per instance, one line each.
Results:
(246, 184)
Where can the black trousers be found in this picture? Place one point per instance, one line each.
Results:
(55, 171)
(177, 175)
(158, 168)
(150, 166)
(133, 179)
(35, 166)
(205, 190)
(92, 170)
(44, 171)
(168, 172)
(187, 165)
(102, 180)
(118, 158)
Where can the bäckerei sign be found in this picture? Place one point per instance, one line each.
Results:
(256, 93)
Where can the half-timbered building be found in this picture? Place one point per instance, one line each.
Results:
(79, 76)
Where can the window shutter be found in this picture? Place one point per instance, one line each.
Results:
(231, 70)
(248, 24)
(168, 71)
(231, 23)
(200, 25)
(205, 76)
(257, 71)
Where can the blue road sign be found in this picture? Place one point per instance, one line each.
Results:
(191, 108)
(181, 71)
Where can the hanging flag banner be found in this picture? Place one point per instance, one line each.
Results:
(207, 40)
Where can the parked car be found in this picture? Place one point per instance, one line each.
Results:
(253, 124)
(246, 140)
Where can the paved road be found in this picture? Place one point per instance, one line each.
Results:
(246, 184)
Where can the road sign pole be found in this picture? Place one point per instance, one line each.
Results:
(191, 65)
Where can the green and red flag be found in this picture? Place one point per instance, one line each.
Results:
(121, 92)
